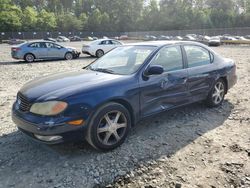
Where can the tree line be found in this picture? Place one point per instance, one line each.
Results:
(122, 15)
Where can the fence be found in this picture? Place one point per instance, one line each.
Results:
(54, 34)
(210, 32)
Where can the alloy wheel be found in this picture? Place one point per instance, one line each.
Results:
(69, 56)
(29, 58)
(218, 93)
(112, 128)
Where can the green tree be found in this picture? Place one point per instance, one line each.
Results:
(68, 22)
(46, 20)
(9, 16)
(29, 19)
(83, 19)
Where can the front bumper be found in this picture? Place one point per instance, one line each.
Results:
(86, 52)
(76, 54)
(66, 132)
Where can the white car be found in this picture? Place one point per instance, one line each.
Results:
(62, 39)
(214, 41)
(101, 46)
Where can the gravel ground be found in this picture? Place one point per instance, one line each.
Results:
(189, 147)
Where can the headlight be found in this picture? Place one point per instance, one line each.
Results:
(48, 108)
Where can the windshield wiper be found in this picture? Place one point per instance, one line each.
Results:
(103, 70)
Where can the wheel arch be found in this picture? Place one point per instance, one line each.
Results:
(68, 52)
(224, 78)
(124, 103)
(128, 106)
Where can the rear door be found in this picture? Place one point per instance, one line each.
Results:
(201, 71)
(107, 45)
(165, 91)
(39, 49)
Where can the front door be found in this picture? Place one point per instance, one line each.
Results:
(165, 91)
(55, 51)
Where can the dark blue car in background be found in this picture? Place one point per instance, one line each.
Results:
(104, 100)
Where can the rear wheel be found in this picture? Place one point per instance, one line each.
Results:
(109, 127)
(99, 53)
(29, 58)
(217, 94)
(68, 56)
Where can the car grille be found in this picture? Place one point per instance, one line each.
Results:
(24, 104)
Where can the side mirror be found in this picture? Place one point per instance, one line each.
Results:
(154, 70)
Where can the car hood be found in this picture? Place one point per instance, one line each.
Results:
(62, 85)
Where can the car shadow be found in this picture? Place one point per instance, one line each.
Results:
(46, 61)
(152, 138)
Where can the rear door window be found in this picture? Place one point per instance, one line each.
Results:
(197, 56)
(43, 45)
(35, 45)
(105, 42)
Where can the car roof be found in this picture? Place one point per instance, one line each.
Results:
(33, 41)
(163, 43)
(100, 40)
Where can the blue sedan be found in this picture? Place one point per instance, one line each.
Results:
(31, 51)
(101, 102)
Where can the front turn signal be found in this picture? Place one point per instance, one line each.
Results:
(76, 122)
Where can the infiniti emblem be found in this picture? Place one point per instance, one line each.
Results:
(18, 101)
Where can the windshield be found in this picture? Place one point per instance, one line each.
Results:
(123, 60)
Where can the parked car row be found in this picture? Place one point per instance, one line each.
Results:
(209, 40)
(49, 49)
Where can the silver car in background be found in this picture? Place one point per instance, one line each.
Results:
(31, 51)
(214, 41)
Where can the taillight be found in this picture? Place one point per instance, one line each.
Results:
(15, 49)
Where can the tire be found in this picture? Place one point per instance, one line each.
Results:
(217, 94)
(109, 127)
(68, 56)
(29, 58)
(99, 53)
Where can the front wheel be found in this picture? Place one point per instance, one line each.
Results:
(109, 127)
(217, 94)
(68, 56)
